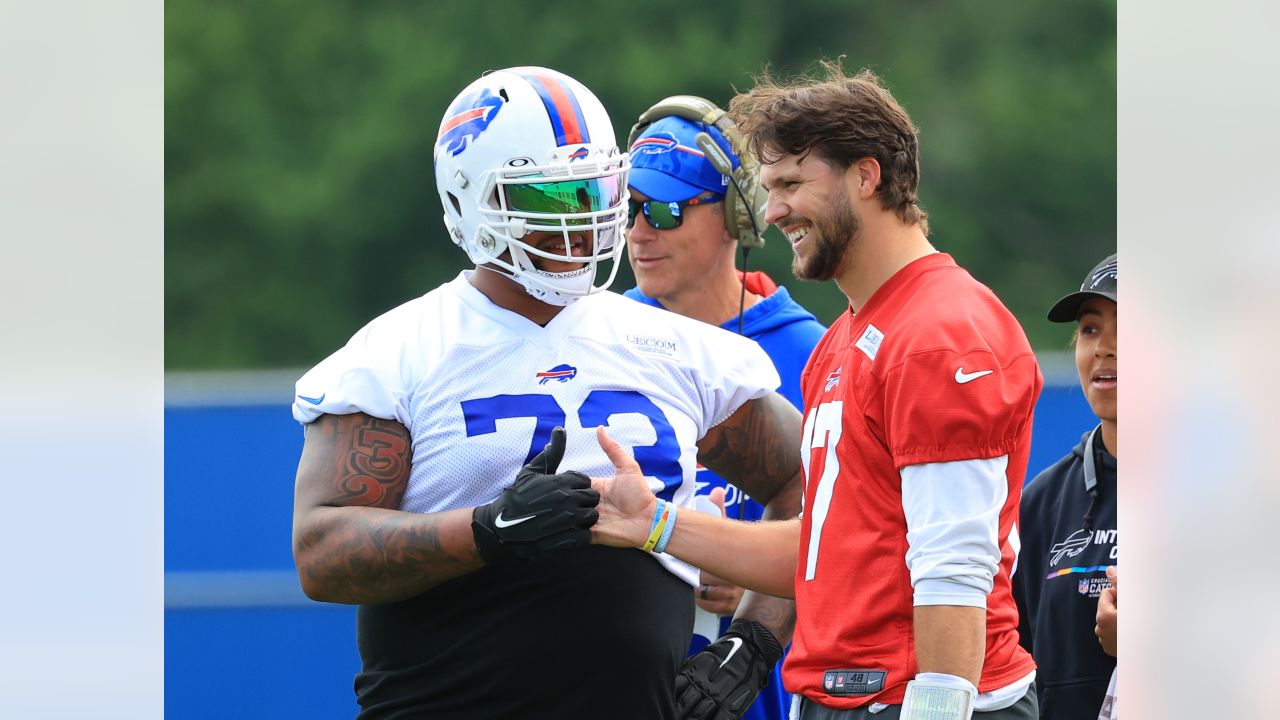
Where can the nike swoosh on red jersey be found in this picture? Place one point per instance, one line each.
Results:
(962, 377)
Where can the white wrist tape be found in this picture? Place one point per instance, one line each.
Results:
(938, 696)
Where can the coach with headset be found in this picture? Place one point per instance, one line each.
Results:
(695, 200)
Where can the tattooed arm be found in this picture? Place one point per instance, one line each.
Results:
(757, 448)
(351, 543)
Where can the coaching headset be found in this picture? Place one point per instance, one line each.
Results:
(743, 211)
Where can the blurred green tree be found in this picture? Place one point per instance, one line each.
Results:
(300, 198)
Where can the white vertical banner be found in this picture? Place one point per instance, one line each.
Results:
(81, 371)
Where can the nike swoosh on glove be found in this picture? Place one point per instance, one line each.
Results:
(722, 681)
(543, 511)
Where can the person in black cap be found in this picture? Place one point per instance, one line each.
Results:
(1068, 525)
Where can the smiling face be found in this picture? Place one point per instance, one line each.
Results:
(580, 245)
(1096, 356)
(810, 204)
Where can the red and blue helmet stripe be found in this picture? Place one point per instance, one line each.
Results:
(562, 106)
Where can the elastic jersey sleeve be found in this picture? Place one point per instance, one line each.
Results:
(366, 375)
(944, 406)
(739, 371)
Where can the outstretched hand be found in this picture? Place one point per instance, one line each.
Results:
(626, 502)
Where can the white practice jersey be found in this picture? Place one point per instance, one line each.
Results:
(480, 389)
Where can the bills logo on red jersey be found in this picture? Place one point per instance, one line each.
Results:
(559, 373)
(468, 117)
(833, 379)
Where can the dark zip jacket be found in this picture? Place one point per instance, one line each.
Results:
(1061, 571)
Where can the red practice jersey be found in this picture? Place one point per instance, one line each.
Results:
(933, 369)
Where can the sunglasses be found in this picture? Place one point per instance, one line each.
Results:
(665, 215)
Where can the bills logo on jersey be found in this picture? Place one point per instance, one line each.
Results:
(833, 379)
(578, 154)
(467, 118)
(559, 373)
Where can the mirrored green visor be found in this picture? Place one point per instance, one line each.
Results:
(568, 197)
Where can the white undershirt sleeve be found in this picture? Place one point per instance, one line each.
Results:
(953, 524)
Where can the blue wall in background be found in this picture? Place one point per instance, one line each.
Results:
(241, 641)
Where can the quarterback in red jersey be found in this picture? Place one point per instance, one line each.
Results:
(918, 405)
(917, 430)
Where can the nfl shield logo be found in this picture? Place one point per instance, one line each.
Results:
(1084, 586)
(829, 681)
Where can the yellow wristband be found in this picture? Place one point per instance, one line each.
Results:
(659, 524)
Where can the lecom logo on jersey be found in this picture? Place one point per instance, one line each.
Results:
(656, 345)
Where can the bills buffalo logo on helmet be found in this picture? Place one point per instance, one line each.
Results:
(467, 118)
(559, 373)
(578, 154)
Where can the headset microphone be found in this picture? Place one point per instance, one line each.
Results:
(722, 163)
(714, 154)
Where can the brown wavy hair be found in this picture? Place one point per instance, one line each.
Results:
(841, 119)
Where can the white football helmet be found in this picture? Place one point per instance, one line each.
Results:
(531, 150)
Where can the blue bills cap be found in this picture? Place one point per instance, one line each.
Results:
(666, 164)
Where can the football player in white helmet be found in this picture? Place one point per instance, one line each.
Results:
(431, 491)
(532, 182)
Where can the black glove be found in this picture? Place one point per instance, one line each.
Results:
(722, 681)
(541, 512)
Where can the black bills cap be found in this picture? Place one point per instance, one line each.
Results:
(1100, 282)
